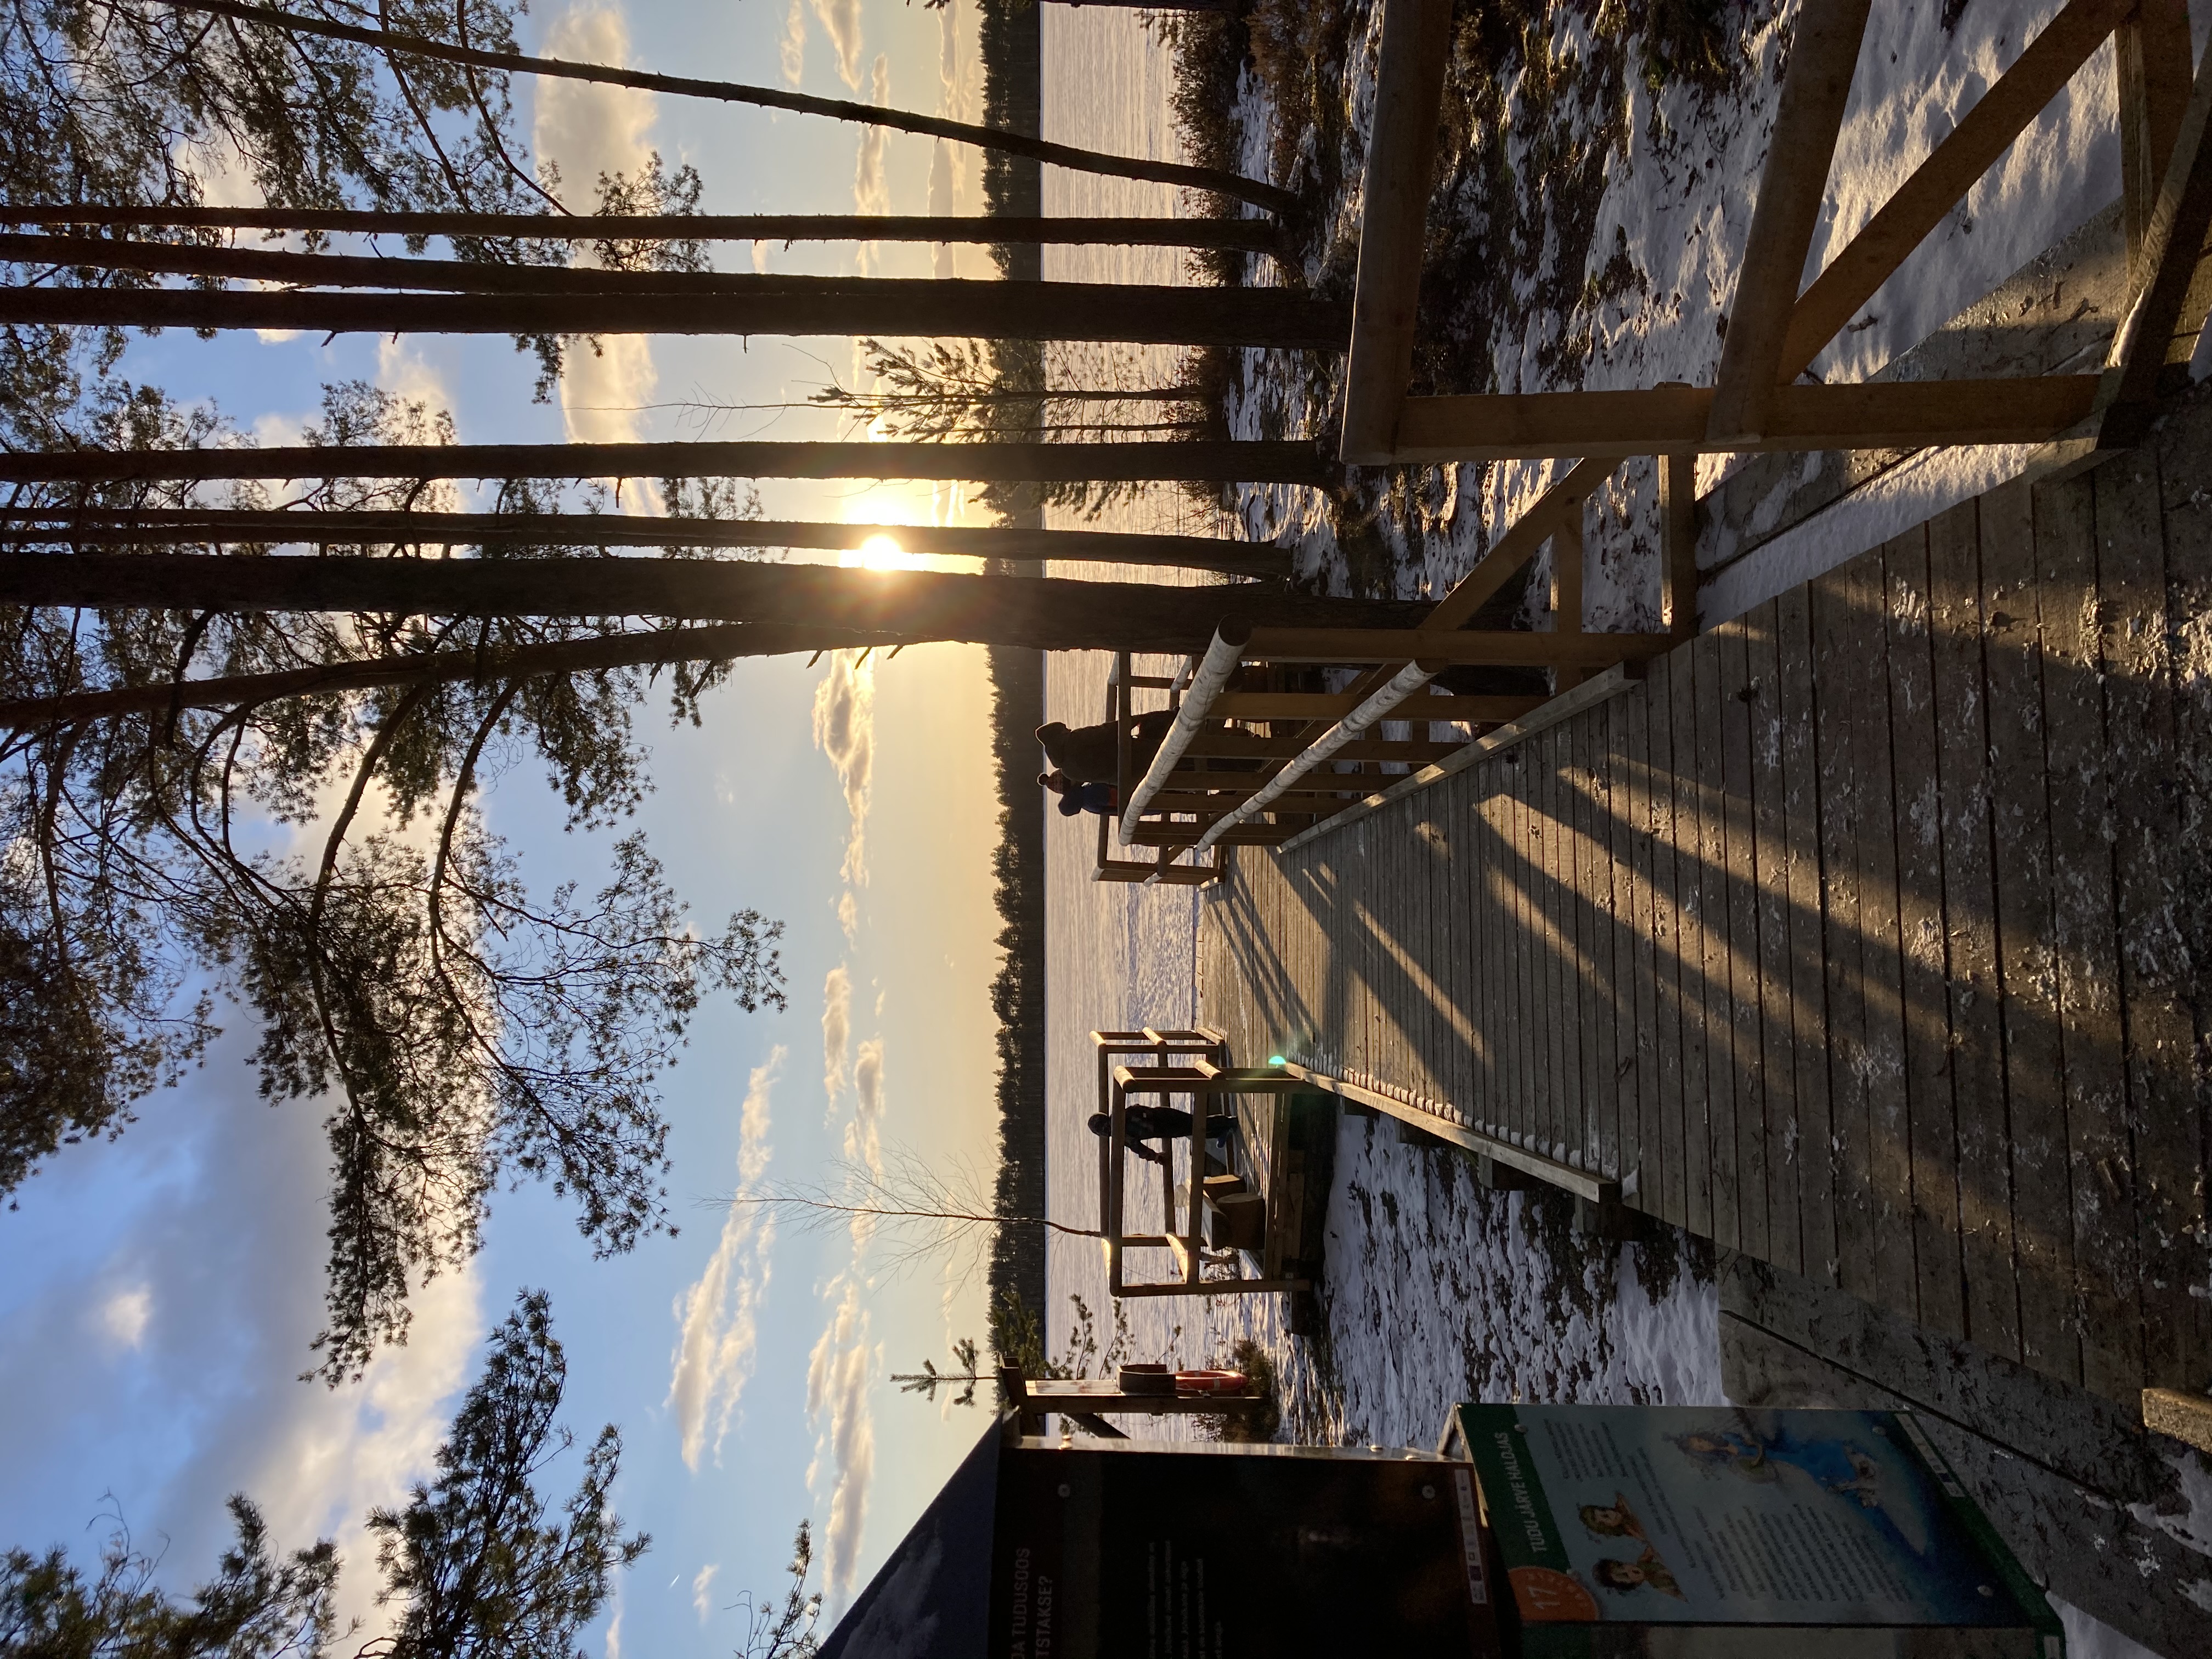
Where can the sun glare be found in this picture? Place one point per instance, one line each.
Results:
(880, 553)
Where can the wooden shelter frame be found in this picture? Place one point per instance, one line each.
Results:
(1757, 403)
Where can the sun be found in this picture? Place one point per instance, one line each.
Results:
(879, 553)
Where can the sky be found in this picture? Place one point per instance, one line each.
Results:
(160, 1290)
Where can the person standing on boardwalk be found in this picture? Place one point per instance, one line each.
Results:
(1090, 754)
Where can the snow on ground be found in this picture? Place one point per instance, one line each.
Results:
(1437, 1292)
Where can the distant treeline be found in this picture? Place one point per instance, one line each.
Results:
(1013, 96)
(1017, 993)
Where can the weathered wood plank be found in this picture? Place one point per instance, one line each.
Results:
(1691, 928)
(1783, 1131)
(1620, 854)
(1991, 1292)
(1888, 1110)
(1632, 803)
(1558, 1010)
(1716, 910)
(1749, 1148)
(1840, 611)
(1924, 952)
(1589, 1134)
(1663, 1145)
(1812, 1152)
(2015, 525)
(2178, 1241)
(2157, 1022)
(2082, 830)
(1526, 966)
(1604, 1009)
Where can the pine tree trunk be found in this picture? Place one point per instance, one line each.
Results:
(155, 527)
(448, 275)
(512, 62)
(823, 606)
(981, 463)
(1250, 235)
(660, 645)
(748, 305)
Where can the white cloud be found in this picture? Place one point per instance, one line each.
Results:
(836, 1029)
(588, 129)
(614, 1627)
(402, 372)
(719, 1315)
(838, 1375)
(793, 45)
(840, 20)
(872, 191)
(865, 1139)
(215, 1207)
(702, 1590)
(848, 915)
(845, 731)
(125, 1315)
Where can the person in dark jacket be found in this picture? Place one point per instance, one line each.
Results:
(1161, 1123)
(1086, 753)
(1078, 798)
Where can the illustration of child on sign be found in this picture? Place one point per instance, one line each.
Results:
(1646, 1571)
(1727, 1448)
(1838, 1465)
(1613, 1520)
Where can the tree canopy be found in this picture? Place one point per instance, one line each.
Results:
(324, 862)
(477, 1564)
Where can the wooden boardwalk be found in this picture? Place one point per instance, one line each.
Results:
(1870, 936)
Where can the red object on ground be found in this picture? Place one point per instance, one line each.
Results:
(1212, 1383)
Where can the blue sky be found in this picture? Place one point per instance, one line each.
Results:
(161, 1290)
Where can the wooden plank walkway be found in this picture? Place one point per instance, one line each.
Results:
(1871, 935)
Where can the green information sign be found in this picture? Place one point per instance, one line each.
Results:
(1625, 1530)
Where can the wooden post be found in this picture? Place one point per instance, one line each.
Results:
(1409, 84)
(2160, 332)
(1567, 555)
(1822, 61)
(2151, 57)
(1678, 541)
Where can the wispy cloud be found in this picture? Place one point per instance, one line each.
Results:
(841, 21)
(838, 1375)
(864, 1140)
(719, 1314)
(836, 1029)
(588, 129)
(845, 731)
(793, 43)
(125, 1315)
(702, 1590)
(872, 191)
